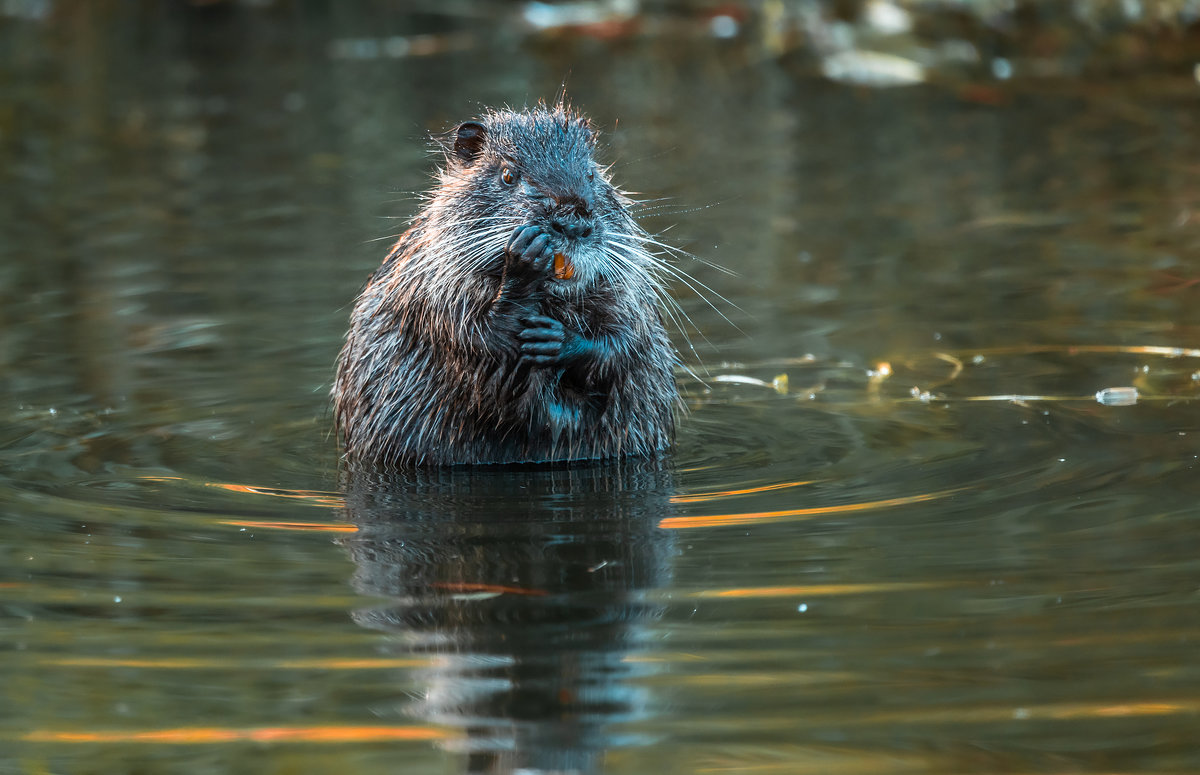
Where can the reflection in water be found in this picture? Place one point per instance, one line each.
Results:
(529, 586)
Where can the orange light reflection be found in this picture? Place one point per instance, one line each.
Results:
(205, 735)
(190, 663)
(814, 590)
(312, 527)
(326, 500)
(715, 520)
(1170, 352)
(709, 496)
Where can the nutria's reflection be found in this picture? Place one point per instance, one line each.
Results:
(530, 589)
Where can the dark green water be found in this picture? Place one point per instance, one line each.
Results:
(962, 562)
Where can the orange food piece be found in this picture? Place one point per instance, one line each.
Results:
(563, 268)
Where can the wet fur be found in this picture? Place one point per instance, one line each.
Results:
(436, 368)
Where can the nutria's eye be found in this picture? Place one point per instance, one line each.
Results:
(508, 176)
(591, 176)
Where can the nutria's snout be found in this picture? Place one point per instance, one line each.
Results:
(576, 245)
(572, 217)
(572, 225)
(573, 228)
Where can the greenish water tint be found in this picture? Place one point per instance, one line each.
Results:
(900, 533)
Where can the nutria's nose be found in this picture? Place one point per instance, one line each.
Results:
(571, 229)
(571, 215)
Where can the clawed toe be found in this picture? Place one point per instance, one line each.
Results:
(530, 253)
(542, 329)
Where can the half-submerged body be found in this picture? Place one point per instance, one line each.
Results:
(517, 320)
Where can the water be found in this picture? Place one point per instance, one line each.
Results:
(901, 531)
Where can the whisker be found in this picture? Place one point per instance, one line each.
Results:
(674, 251)
(692, 283)
(670, 306)
(381, 239)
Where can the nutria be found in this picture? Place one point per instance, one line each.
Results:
(517, 319)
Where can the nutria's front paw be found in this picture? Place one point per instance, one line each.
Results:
(547, 342)
(529, 254)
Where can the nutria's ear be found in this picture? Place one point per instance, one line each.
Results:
(468, 141)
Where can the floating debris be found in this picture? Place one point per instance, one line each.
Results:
(779, 384)
(924, 396)
(876, 377)
(872, 68)
(739, 379)
(1117, 396)
(584, 14)
(724, 26)
(884, 17)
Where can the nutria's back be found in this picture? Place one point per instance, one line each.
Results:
(517, 319)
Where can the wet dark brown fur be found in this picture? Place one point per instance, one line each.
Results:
(467, 346)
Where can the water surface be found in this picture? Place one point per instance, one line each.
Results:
(899, 533)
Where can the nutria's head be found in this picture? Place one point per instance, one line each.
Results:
(509, 169)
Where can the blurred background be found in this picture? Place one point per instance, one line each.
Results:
(932, 508)
(196, 190)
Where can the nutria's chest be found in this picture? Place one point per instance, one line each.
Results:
(592, 313)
